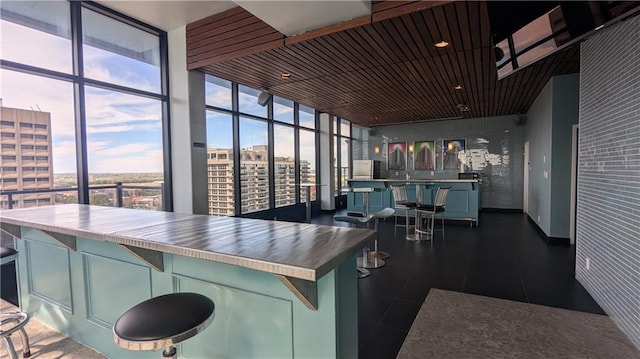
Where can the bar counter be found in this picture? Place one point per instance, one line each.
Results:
(81, 266)
(463, 200)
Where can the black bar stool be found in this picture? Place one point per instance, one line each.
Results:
(164, 321)
(13, 322)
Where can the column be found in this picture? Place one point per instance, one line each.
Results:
(188, 129)
(327, 193)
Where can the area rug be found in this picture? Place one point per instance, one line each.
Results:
(458, 325)
(45, 342)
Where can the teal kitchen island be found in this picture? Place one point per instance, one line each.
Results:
(281, 290)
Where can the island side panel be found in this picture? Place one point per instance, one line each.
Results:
(256, 315)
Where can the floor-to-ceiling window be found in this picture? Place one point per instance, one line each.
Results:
(220, 158)
(85, 93)
(275, 146)
(341, 154)
(307, 122)
(359, 142)
(284, 152)
(345, 150)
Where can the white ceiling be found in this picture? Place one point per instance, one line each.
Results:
(168, 15)
(295, 17)
(288, 17)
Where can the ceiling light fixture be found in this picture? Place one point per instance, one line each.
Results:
(457, 87)
(463, 108)
(344, 103)
(441, 44)
(285, 75)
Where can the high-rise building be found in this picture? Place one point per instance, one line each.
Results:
(25, 156)
(254, 179)
(220, 181)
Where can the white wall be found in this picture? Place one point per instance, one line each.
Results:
(188, 126)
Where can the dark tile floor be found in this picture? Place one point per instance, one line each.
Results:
(505, 257)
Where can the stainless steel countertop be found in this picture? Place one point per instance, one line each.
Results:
(297, 250)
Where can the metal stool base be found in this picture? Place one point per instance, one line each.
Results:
(363, 273)
(379, 254)
(371, 263)
(18, 320)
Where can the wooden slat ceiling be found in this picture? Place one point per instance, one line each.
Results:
(377, 71)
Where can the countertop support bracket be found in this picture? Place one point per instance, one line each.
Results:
(67, 240)
(306, 291)
(11, 229)
(149, 256)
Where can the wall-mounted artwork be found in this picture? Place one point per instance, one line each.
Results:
(424, 155)
(397, 158)
(452, 154)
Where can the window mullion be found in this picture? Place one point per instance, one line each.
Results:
(79, 103)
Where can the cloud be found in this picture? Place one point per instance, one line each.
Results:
(17, 38)
(217, 96)
(122, 128)
(150, 161)
(64, 157)
(109, 67)
(129, 149)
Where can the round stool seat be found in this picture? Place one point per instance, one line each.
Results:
(385, 213)
(7, 255)
(163, 321)
(353, 219)
(5, 252)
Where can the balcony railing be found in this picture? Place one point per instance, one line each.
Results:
(118, 189)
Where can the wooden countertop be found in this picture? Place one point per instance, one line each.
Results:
(297, 250)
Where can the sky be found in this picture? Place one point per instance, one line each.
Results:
(124, 132)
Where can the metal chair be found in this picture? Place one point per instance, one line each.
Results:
(430, 211)
(13, 322)
(401, 202)
(164, 321)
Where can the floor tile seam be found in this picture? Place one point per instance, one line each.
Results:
(524, 287)
(394, 328)
(466, 272)
(395, 299)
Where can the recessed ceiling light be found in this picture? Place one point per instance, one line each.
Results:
(285, 75)
(457, 87)
(343, 102)
(441, 44)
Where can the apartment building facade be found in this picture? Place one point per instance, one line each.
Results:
(254, 178)
(25, 157)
